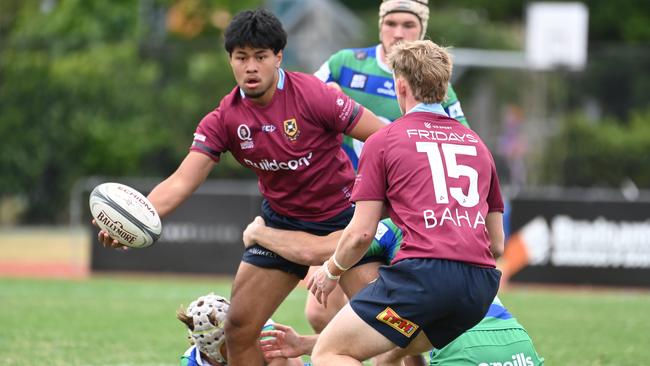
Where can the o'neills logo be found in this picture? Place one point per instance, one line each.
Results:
(138, 198)
(116, 227)
(404, 326)
(519, 359)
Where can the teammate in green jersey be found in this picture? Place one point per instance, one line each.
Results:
(362, 73)
(498, 339)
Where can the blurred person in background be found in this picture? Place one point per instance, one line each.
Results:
(287, 127)
(205, 318)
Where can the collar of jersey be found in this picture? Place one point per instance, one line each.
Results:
(431, 108)
(280, 85)
(379, 52)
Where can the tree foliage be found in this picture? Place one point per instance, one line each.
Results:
(602, 153)
(116, 88)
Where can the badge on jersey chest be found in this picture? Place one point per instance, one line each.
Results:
(291, 129)
(244, 134)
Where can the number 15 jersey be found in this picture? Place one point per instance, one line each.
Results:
(439, 182)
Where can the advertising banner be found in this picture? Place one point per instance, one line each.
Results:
(578, 239)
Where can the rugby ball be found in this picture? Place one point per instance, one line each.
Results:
(125, 214)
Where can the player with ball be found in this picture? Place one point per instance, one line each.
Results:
(287, 127)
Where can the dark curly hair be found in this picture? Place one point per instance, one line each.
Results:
(257, 28)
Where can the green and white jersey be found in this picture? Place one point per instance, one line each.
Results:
(362, 75)
(498, 339)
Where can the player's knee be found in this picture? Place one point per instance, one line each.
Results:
(316, 318)
(239, 328)
(318, 357)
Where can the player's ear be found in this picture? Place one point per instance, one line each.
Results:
(400, 85)
(278, 59)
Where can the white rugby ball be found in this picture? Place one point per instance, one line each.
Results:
(125, 214)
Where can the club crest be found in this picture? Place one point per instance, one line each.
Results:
(291, 129)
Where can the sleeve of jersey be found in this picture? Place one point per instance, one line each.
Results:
(371, 183)
(330, 69)
(210, 136)
(338, 112)
(494, 199)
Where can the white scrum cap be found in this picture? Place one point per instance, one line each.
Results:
(420, 8)
(209, 315)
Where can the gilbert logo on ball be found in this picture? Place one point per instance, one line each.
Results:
(125, 214)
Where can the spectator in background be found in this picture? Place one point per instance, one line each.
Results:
(513, 146)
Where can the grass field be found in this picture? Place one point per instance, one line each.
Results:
(120, 320)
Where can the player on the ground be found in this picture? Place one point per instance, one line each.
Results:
(438, 182)
(286, 127)
(205, 318)
(497, 338)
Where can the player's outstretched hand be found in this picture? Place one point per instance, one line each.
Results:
(283, 342)
(321, 286)
(106, 241)
(252, 230)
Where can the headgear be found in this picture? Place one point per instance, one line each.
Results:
(420, 8)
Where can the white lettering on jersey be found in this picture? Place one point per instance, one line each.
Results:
(388, 89)
(441, 136)
(274, 165)
(459, 218)
(519, 359)
(358, 81)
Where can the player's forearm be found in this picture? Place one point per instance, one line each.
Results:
(314, 250)
(167, 196)
(174, 190)
(494, 225)
(307, 343)
(353, 245)
(357, 236)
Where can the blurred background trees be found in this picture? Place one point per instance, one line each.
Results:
(91, 88)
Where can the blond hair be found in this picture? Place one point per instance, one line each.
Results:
(425, 66)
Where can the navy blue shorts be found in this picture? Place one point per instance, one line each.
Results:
(441, 297)
(259, 256)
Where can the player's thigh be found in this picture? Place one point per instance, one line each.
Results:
(359, 277)
(397, 355)
(256, 294)
(347, 334)
(318, 315)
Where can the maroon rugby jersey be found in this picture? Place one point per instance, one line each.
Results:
(293, 144)
(439, 182)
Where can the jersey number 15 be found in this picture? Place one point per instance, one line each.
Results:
(454, 170)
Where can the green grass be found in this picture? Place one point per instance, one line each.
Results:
(131, 321)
